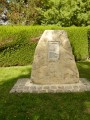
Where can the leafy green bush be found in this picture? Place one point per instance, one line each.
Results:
(65, 13)
(89, 42)
(17, 47)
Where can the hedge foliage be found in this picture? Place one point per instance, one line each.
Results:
(89, 42)
(17, 47)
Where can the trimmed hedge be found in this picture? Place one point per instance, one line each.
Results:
(89, 42)
(17, 47)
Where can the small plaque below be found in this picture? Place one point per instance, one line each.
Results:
(53, 50)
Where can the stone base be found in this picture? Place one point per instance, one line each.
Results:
(25, 85)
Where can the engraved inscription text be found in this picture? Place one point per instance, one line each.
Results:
(53, 50)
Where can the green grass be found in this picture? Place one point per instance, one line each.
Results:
(7, 73)
(25, 106)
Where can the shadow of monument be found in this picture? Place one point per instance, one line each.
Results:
(84, 69)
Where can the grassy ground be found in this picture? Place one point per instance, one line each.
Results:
(60, 106)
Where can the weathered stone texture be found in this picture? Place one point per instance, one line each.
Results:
(62, 69)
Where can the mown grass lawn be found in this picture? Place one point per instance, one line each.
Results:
(26, 106)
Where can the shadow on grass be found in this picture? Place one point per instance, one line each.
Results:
(84, 69)
(25, 106)
(8, 83)
(59, 106)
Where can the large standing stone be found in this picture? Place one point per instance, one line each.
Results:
(53, 60)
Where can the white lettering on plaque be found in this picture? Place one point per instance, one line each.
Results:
(53, 50)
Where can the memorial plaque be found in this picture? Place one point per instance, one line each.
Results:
(53, 50)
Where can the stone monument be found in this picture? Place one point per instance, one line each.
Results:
(54, 62)
(54, 69)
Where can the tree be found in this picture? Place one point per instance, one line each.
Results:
(22, 11)
(59, 12)
(75, 12)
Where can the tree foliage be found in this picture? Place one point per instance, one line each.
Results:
(48, 12)
(68, 13)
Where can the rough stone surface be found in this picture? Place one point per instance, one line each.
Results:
(26, 86)
(53, 60)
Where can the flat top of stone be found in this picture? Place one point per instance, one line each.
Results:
(53, 34)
